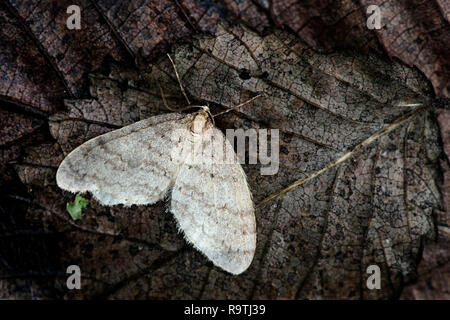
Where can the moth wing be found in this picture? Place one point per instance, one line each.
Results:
(212, 204)
(131, 165)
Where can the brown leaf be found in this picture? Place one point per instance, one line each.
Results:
(444, 123)
(443, 218)
(356, 186)
(434, 274)
(71, 52)
(434, 269)
(145, 25)
(14, 126)
(417, 32)
(15, 129)
(326, 24)
(27, 78)
(204, 15)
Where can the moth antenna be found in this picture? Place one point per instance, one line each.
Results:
(167, 106)
(164, 98)
(178, 78)
(206, 109)
(239, 105)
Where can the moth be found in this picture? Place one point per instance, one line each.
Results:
(140, 163)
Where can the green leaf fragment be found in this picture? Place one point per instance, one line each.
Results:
(76, 207)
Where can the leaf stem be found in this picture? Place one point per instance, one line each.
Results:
(346, 155)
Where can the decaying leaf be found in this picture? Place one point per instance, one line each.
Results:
(415, 31)
(434, 269)
(434, 274)
(357, 183)
(444, 124)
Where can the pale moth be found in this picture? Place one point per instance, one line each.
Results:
(138, 164)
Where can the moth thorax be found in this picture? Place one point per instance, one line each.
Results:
(200, 123)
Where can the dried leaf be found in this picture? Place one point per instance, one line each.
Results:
(434, 269)
(434, 274)
(417, 32)
(72, 52)
(358, 163)
(22, 65)
(42, 60)
(443, 219)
